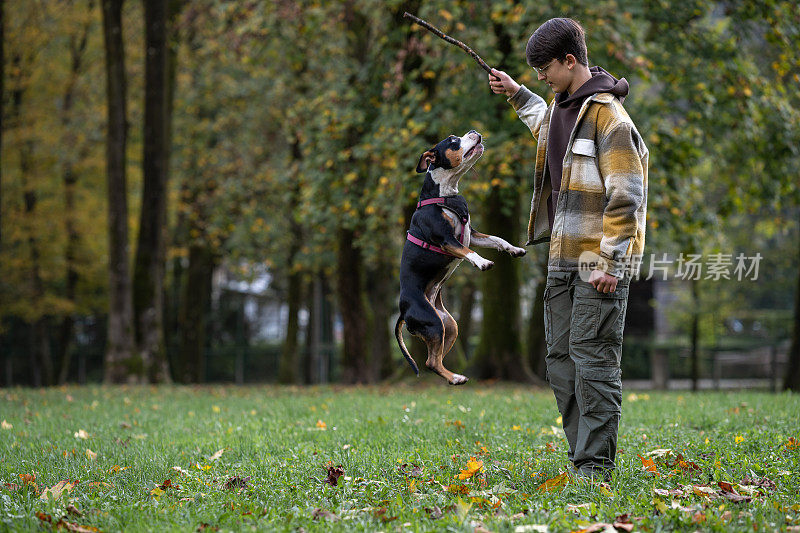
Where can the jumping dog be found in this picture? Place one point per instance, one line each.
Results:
(437, 240)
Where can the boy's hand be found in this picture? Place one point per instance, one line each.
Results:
(502, 83)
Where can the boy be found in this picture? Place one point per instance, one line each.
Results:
(591, 182)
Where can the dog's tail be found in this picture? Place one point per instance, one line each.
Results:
(398, 333)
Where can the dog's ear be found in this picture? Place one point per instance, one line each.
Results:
(425, 160)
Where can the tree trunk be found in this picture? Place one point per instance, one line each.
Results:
(192, 317)
(498, 354)
(466, 303)
(121, 362)
(77, 50)
(2, 100)
(499, 351)
(148, 280)
(695, 348)
(351, 306)
(288, 367)
(380, 285)
(792, 379)
(537, 346)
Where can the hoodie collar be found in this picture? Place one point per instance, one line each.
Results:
(600, 82)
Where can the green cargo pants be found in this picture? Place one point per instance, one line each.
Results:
(583, 331)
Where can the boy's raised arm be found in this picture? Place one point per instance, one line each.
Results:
(530, 107)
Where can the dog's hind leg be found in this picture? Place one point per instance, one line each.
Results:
(450, 336)
(424, 321)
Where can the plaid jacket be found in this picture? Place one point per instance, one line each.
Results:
(602, 202)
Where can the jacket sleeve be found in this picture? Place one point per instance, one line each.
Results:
(623, 177)
(530, 107)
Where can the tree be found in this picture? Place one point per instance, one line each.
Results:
(121, 362)
(148, 276)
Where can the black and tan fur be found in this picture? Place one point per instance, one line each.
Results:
(424, 272)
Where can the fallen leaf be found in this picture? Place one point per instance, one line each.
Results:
(6, 425)
(791, 444)
(216, 455)
(462, 509)
(457, 489)
(322, 425)
(58, 489)
(660, 453)
(649, 465)
(381, 514)
(577, 508)
(531, 528)
(473, 467)
(434, 513)
(236, 482)
(71, 509)
(555, 484)
(97, 485)
(763, 483)
(334, 473)
(598, 526)
(91, 455)
(207, 527)
(703, 491)
(179, 469)
(29, 480)
(318, 514)
(81, 434)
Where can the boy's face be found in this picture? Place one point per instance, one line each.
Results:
(557, 74)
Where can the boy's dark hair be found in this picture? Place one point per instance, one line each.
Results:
(555, 39)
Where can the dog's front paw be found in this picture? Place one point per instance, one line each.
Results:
(485, 264)
(517, 252)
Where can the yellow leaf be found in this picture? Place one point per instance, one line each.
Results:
(81, 434)
(555, 484)
(58, 489)
(6, 425)
(473, 467)
(90, 454)
(215, 408)
(217, 454)
(158, 491)
(660, 505)
(516, 428)
(560, 420)
(322, 425)
(738, 439)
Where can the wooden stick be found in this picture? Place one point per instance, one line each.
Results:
(439, 33)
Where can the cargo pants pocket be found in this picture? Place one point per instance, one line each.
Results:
(601, 389)
(598, 321)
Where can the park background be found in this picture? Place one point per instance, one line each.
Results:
(218, 191)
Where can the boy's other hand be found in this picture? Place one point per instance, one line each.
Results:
(502, 83)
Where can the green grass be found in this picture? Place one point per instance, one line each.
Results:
(271, 436)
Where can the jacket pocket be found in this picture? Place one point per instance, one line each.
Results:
(584, 147)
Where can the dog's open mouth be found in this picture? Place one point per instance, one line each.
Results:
(477, 148)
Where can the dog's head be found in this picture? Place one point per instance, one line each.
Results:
(451, 158)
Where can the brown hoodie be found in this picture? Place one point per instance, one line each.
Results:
(565, 113)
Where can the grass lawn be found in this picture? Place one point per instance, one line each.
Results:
(258, 458)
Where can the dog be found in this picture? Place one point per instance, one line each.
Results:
(437, 240)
